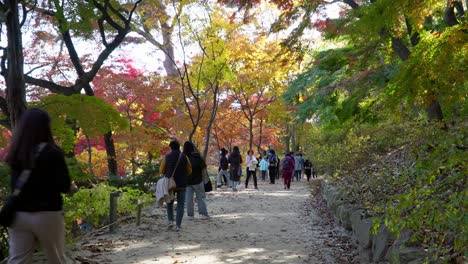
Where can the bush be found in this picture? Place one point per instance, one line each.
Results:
(92, 205)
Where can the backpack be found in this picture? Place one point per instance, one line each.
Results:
(287, 164)
(273, 160)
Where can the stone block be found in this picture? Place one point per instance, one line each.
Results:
(356, 217)
(365, 255)
(363, 232)
(381, 241)
(344, 214)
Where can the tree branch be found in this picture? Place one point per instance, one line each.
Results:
(53, 87)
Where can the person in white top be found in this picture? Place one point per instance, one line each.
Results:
(251, 162)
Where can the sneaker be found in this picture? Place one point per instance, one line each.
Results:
(285, 187)
(178, 228)
(190, 217)
(204, 217)
(170, 224)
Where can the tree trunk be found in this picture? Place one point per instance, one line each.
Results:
(449, 16)
(434, 111)
(214, 111)
(90, 157)
(260, 137)
(286, 139)
(111, 158)
(15, 83)
(251, 133)
(293, 138)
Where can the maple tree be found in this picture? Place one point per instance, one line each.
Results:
(113, 21)
(137, 98)
(261, 71)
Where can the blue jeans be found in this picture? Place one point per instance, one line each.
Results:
(180, 208)
(199, 190)
(297, 174)
(220, 175)
(233, 184)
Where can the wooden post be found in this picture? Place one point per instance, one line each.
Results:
(138, 213)
(113, 212)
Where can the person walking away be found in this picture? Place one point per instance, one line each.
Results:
(263, 167)
(235, 170)
(287, 169)
(297, 166)
(314, 171)
(39, 215)
(177, 165)
(251, 168)
(195, 182)
(272, 166)
(301, 161)
(307, 169)
(223, 169)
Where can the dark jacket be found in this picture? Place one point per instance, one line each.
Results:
(223, 163)
(182, 171)
(235, 172)
(198, 164)
(48, 179)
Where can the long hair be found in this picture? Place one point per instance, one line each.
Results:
(189, 148)
(235, 149)
(32, 129)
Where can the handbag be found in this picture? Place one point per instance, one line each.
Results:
(171, 185)
(208, 186)
(8, 210)
(206, 180)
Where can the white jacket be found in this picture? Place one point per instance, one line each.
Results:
(162, 192)
(251, 163)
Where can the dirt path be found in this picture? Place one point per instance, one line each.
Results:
(266, 226)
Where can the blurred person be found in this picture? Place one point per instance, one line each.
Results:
(273, 163)
(223, 169)
(195, 182)
(176, 164)
(263, 167)
(39, 212)
(287, 169)
(235, 170)
(251, 169)
(308, 169)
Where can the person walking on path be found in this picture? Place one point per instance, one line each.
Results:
(273, 162)
(223, 169)
(39, 212)
(195, 182)
(298, 166)
(308, 169)
(251, 168)
(177, 165)
(235, 170)
(287, 169)
(264, 167)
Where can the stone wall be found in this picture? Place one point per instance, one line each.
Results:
(381, 247)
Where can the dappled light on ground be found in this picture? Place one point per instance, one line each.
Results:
(269, 225)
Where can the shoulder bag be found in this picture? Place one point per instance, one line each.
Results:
(171, 186)
(8, 210)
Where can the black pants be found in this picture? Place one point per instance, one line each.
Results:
(273, 173)
(249, 172)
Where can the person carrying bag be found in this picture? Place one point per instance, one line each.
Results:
(38, 208)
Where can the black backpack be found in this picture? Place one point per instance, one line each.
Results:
(287, 164)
